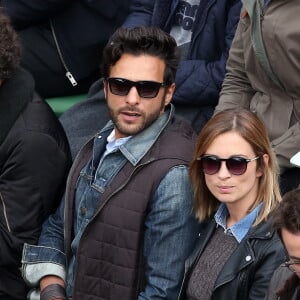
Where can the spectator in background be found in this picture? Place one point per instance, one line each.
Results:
(203, 30)
(126, 225)
(64, 37)
(285, 283)
(34, 160)
(262, 76)
(234, 175)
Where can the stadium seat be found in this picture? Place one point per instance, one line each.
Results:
(60, 104)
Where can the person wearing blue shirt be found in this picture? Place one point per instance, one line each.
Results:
(125, 226)
(234, 176)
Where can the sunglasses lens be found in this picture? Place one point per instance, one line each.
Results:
(119, 86)
(236, 165)
(210, 165)
(148, 89)
(145, 89)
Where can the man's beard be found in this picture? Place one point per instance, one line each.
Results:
(145, 120)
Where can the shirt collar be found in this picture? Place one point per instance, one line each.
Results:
(135, 147)
(113, 143)
(241, 228)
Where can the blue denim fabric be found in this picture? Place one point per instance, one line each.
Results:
(241, 228)
(171, 229)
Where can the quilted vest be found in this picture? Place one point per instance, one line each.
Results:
(110, 253)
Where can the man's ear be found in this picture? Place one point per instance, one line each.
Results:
(105, 88)
(169, 93)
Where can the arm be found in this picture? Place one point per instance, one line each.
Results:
(286, 146)
(27, 12)
(171, 231)
(30, 181)
(236, 89)
(48, 258)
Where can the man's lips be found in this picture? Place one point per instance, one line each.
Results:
(131, 113)
(130, 116)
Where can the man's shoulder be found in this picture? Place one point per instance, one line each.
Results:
(180, 130)
(177, 141)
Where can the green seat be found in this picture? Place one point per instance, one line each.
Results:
(60, 104)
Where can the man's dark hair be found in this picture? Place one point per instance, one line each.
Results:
(138, 41)
(287, 214)
(10, 48)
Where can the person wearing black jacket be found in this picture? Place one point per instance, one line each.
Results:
(63, 40)
(34, 160)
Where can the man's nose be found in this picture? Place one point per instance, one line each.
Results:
(133, 97)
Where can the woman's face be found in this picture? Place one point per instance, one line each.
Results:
(238, 192)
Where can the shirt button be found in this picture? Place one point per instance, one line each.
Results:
(248, 258)
(83, 211)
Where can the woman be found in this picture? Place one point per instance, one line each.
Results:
(234, 175)
(267, 82)
(34, 160)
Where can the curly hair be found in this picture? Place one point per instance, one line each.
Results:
(10, 47)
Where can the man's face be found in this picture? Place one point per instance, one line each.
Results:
(132, 113)
(292, 245)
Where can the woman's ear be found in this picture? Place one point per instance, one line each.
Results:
(265, 161)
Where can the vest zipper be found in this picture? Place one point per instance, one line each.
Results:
(4, 213)
(68, 73)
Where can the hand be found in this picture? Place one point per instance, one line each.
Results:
(52, 286)
(50, 279)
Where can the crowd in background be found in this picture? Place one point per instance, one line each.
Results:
(167, 181)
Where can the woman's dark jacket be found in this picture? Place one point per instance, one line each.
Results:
(247, 273)
(34, 160)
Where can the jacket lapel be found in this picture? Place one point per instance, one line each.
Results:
(244, 254)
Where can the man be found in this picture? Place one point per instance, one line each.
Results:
(126, 224)
(34, 161)
(203, 31)
(285, 284)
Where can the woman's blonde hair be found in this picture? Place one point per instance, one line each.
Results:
(251, 128)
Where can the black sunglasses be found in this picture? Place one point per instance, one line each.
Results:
(236, 165)
(145, 88)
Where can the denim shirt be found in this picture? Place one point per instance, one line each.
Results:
(170, 228)
(239, 229)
